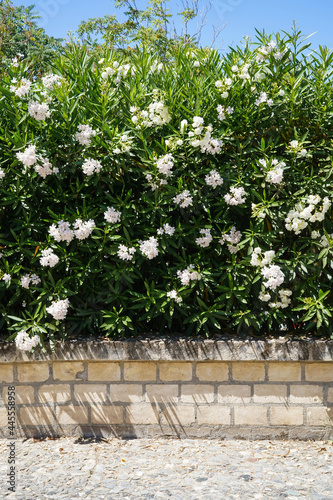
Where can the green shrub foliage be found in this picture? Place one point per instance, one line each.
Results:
(185, 195)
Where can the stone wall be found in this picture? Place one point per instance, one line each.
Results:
(211, 389)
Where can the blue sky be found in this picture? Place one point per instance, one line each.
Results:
(239, 17)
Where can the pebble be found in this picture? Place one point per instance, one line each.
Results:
(72, 468)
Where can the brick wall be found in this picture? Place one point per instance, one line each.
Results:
(188, 397)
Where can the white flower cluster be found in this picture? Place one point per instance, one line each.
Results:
(201, 136)
(236, 196)
(125, 253)
(156, 67)
(149, 248)
(58, 309)
(38, 110)
(265, 50)
(213, 179)
(273, 275)
(48, 258)
(324, 241)
(204, 241)
(296, 220)
(29, 278)
(188, 275)
(263, 98)
(91, 166)
(164, 164)
(166, 229)
(260, 259)
(222, 111)
(28, 156)
(6, 277)
(84, 135)
(21, 88)
(284, 300)
(2, 173)
(49, 81)
(45, 168)
(156, 115)
(157, 183)
(83, 230)
(124, 144)
(183, 199)
(274, 170)
(223, 86)
(120, 70)
(233, 238)
(174, 295)
(24, 342)
(61, 231)
(111, 215)
(296, 147)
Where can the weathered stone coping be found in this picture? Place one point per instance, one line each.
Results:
(177, 350)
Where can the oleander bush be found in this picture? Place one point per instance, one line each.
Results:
(189, 194)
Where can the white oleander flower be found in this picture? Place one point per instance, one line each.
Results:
(188, 275)
(91, 166)
(62, 231)
(45, 168)
(58, 309)
(213, 179)
(111, 215)
(6, 278)
(149, 248)
(164, 164)
(125, 253)
(2, 173)
(236, 196)
(51, 80)
(28, 156)
(83, 230)
(183, 199)
(26, 343)
(166, 229)
(174, 295)
(39, 111)
(48, 258)
(84, 135)
(204, 241)
(273, 275)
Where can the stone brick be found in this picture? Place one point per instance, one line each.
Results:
(67, 370)
(197, 394)
(54, 393)
(270, 393)
(94, 393)
(212, 372)
(319, 372)
(280, 415)
(178, 415)
(166, 393)
(214, 415)
(175, 371)
(330, 395)
(234, 393)
(306, 394)
(319, 416)
(126, 393)
(107, 415)
(33, 372)
(141, 414)
(32, 415)
(24, 394)
(254, 371)
(140, 370)
(104, 372)
(284, 372)
(250, 415)
(70, 415)
(6, 373)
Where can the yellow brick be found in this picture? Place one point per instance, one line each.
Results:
(320, 416)
(54, 393)
(126, 393)
(166, 393)
(330, 395)
(6, 373)
(250, 415)
(234, 394)
(33, 372)
(213, 415)
(70, 415)
(24, 394)
(280, 415)
(178, 415)
(284, 372)
(107, 415)
(319, 372)
(175, 371)
(139, 370)
(212, 372)
(33, 415)
(94, 393)
(141, 414)
(197, 394)
(306, 394)
(67, 370)
(270, 393)
(104, 371)
(248, 371)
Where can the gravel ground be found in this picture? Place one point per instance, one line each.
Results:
(114, 469)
